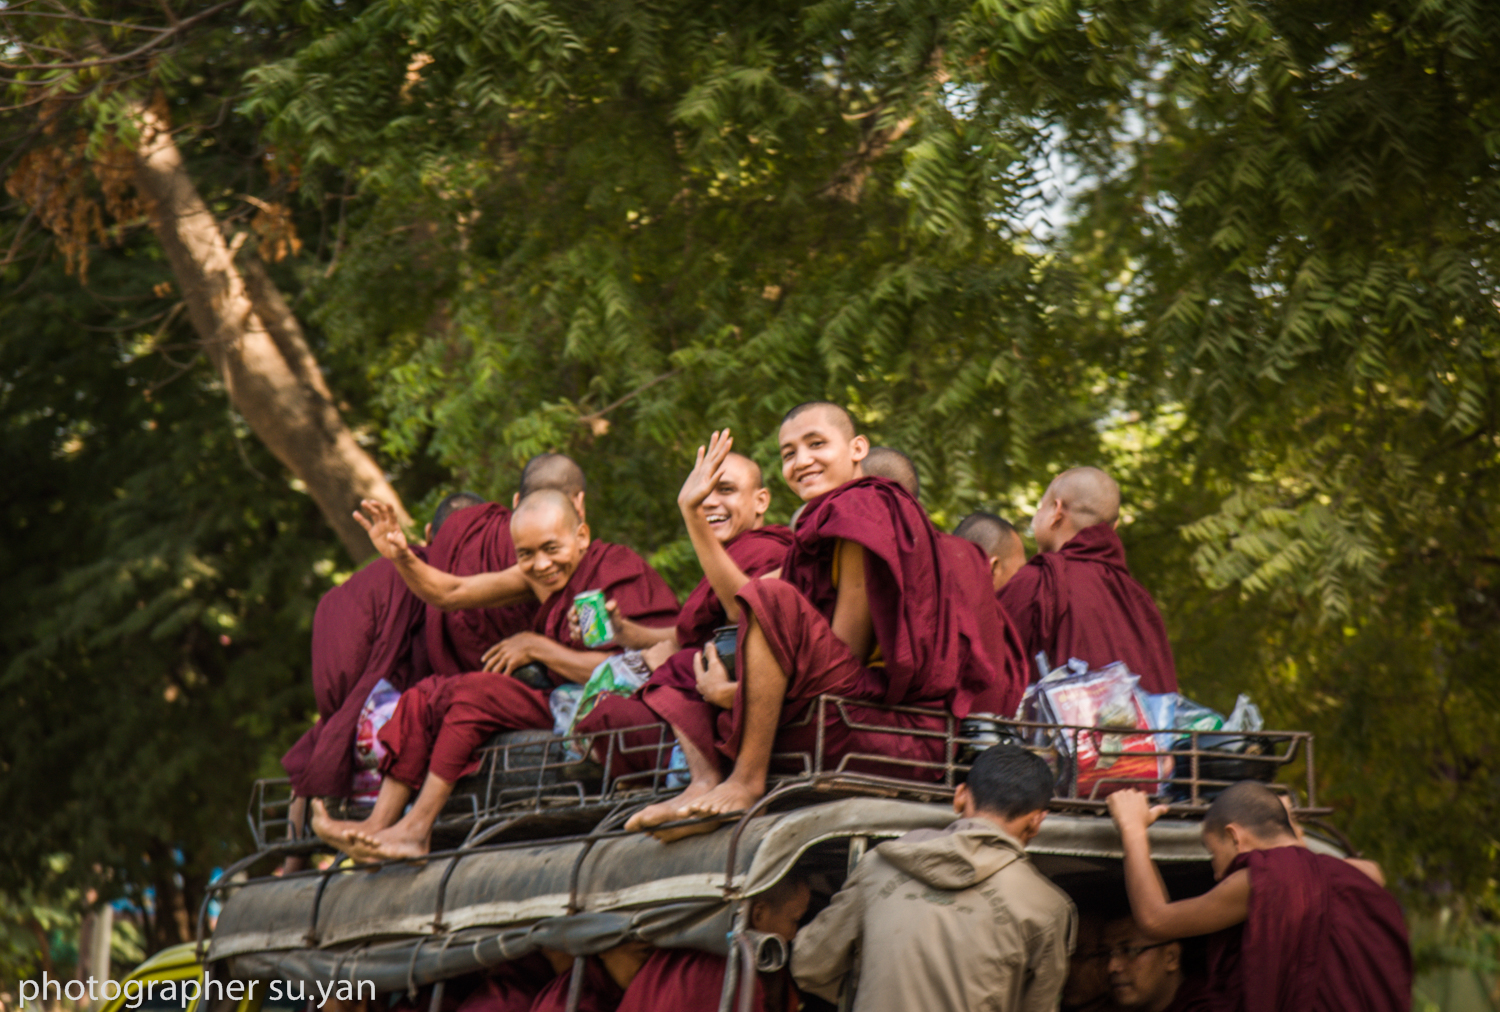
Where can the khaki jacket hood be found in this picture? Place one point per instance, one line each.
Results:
(958, 857)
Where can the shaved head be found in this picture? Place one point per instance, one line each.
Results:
(989, 532)
(1091, 495)
(837, 414)
(754, 477)
(1077, 499)
(1253, 806)
(544, 502)
(552, 471)
(1000, 542)
(451, 505)
(885, 462)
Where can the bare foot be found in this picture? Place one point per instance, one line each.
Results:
(334, 832)
(394, 842)
(730, 796)
(670, 810)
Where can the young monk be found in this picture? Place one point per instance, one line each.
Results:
(1000, 542)
(1076, 597)
(885, 462)
(436, 730)
(690, 980)
(514, 986)
(1296, 930)
(865, 571)
(727, 507)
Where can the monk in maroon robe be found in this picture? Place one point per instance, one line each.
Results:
(369, 628)
(734, 512)
(867, 608)
(366, 629)
(432, 737)
(690, 980)
(513, 986)
(474, 540)
(999, 540)
(605, 979)
(1293, 929)
(1076, 597)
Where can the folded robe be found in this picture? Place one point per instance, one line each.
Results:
(755, 552)
(471, 541)
(1081, 601)
(971, 573)
(440, 722)
(1320, 936)
(367, 628)
(687, 980)
(935, 647)
(599, 992)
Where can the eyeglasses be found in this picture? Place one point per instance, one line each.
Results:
(1129, 953)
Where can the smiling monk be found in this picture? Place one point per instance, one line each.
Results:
(727, 505)
(865, 608)
(431, 738)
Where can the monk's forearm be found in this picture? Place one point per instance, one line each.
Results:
(574, 665)
(1143, 882)
(454, 593)
(724, 576)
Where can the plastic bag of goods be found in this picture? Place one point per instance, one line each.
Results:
(1119, 753)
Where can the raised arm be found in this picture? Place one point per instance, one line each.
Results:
(724, 576)
(437, 588)
(1226, 904)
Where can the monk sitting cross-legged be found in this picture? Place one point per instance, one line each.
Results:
(437, 732)
(864, 609)
(1076, 597)
(1296, 930)
(730, 508)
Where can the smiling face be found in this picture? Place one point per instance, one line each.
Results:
(550, 541)
(738, 502)
(819, 452)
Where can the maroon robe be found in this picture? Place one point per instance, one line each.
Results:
(367, 628)
(439, 723)
(687, 980)
(1192, 996)
(931, 640)
(971, 571)
(755, 552)
(471, 541)
(510, 987)
(1081, 601)
(599, 992)
(1320, 936)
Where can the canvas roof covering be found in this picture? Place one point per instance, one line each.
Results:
(501, 903)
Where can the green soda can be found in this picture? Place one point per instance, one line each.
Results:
(593, 619)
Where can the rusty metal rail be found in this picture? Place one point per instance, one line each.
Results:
(844, 744)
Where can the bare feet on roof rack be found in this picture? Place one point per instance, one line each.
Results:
(400, 840)
(673, 810)
(733, 795)
(334, 832)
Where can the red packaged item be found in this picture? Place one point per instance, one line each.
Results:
(1107, 699)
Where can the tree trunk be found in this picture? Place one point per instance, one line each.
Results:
(255, 342)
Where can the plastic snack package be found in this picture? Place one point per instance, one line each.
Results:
(368, 751)
(1107, 700)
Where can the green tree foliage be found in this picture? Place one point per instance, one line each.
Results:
(606, 228)
(159, 579)
(1279, 266)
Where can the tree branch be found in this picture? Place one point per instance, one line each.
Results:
(145, 47)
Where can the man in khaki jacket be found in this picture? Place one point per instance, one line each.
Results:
(951, 920)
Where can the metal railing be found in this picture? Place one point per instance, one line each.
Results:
(854, 745)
